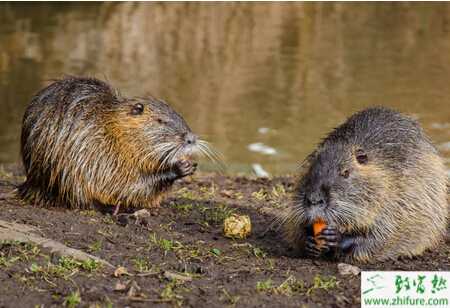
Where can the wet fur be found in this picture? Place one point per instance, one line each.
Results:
(396, 203)
(82, 146)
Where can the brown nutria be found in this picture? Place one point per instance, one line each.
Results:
(84, 144)
(378, 186)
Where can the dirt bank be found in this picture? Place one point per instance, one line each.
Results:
(177, 257)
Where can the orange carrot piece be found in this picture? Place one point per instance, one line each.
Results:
(318, 226)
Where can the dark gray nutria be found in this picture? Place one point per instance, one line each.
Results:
(378, 184)
(84, 144)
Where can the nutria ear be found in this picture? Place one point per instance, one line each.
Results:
(361, 156)
(137, 109)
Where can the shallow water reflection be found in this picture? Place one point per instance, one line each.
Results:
(278, 75)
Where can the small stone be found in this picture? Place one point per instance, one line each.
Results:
(348, 269)
(120, 287)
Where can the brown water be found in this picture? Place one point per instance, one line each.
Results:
(281, 75)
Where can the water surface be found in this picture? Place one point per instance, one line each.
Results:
(262, 82)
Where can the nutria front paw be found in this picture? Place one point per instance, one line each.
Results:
(312, 249)
(185, 167)
(325, 244)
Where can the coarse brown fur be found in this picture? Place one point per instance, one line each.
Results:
(376, 180)
(84, 144)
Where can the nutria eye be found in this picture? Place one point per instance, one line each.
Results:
(345, 173)
(137, 109)
(361, 157)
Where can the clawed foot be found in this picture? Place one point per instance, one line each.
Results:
(185, 168)
(323, 245)
(139, 217)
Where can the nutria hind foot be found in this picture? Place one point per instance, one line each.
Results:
(140, 217)
(124, 214)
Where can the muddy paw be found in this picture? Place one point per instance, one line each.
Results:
(312, 250)
(324, 245)
(329, 240)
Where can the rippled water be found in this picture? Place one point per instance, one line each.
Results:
(263, 82)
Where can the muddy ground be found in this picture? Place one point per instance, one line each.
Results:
(178, 257)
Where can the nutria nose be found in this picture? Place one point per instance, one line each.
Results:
(190, 138)
(317, 196)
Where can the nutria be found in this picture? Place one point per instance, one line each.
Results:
(84, 144)
(380, 187)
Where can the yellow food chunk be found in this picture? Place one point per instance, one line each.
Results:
(237, 226)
